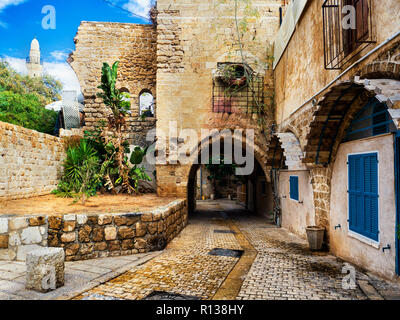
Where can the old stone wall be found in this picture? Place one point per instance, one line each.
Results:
(30, 162)
(92, 236)
(299, 79)
(18, 235)
(193, 37)
(88, 236)
(134, 45)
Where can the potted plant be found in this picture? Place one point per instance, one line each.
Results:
(315, 236)
(233, 75)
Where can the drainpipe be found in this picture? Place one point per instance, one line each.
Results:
(201, 183)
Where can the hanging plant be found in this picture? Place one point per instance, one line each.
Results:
(233, 75)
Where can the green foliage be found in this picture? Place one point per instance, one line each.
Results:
(26, 110)
(22, 99)
(81, 172)
(112, 96)
(46, 89)
(138, 155)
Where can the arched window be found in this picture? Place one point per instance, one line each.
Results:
(126, 98)
(146, 104)
(373, 120)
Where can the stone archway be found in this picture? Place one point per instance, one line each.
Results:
(332, 117)
(256, 152)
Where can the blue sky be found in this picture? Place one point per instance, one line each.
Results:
(21, 21)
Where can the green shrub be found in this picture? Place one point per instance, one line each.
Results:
(26, 111)
(81, 172)
(22, 99)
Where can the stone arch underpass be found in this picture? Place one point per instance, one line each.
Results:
(259, 154)
(331, 117)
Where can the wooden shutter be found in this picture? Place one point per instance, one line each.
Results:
(363, 195)
(362, 20)
(294, 188)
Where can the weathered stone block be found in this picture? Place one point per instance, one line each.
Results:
(72, 249)
(100, 246)
(140, 229)
(120, 220)
(110, 233)
(81, 218)
(37, 221)
(140, 243)
(98, 234)
(114, 246)
(4, 241)
(152, 227)
(45, 269)
(70, 217)
(7, 254)
(18, 223)
(31, 235)
(147, 217)
(126, 233)
(104, 219)
(3, 225)
(68, 237)
(84, 233)
(55, 222)
(69, 226)
(127, 244)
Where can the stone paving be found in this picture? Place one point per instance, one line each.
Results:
(275, 265)
(79, 276)
(283, 269)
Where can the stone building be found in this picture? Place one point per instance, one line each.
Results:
(337, 98)
(325, 140)
(33, 62)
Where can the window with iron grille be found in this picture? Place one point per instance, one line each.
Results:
(238, 90)
(347, 27)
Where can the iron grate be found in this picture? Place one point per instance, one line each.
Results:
(226, 253)
(163, 295)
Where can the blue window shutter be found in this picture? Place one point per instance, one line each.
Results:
(363, 195)
(294, 188)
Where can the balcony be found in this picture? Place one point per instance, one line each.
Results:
(28, 60)
(348, 30)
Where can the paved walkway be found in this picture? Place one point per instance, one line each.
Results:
(79, 276)
(275, 265)
(224, 253)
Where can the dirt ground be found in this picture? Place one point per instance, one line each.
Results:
(51, 205)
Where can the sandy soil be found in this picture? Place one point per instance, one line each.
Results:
(51, 205)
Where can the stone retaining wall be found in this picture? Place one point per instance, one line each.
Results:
(93, 235)
(30, 162)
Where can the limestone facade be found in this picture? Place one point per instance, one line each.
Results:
(89, 236)
(134, 46)
(30, 162)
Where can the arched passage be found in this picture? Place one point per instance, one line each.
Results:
(256, 185)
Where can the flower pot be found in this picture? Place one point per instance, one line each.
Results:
(315, 236)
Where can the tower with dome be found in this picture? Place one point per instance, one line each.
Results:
(33, 62)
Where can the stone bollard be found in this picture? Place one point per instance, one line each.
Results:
(45, 269)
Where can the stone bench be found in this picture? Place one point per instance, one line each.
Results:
(45, 269)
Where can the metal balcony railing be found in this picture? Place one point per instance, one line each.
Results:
(28, 60)
(347, 27)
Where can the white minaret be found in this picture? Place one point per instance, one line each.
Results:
(35, 68)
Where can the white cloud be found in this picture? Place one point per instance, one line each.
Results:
(59, 70)
(5, 3)
(60, 55)
(140, 7)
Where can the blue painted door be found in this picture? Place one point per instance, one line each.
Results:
(363, 195)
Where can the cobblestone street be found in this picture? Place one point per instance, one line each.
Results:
(281, 267)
